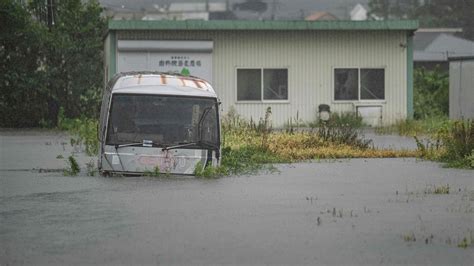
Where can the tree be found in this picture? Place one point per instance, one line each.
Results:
(431, 93)
(430, 13)
(51, 58)
(22, 97)
(75, 58)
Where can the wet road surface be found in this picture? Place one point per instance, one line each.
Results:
(378, 211)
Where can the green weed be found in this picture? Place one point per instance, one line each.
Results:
(84, 131)
(155, 172)
(467, 241)
(411, 127)
(410, 237)
(72, 168)
(443, 189)
(453, 144)
(91, 169)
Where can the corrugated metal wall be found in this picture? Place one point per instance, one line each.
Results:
(310, 57)
(461, 89)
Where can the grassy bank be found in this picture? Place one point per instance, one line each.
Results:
(452, 145)
(250, 146)
(411, 127)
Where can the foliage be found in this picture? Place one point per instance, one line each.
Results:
(345, 119)
(431, 93)
(330, 141)
(459, 144)
(156, 172)
(22, 97)
(454, 145)
(443, 189)
(411, 127)
(73, 167)
(91, 169)
(433, 13)
(84, 131)
(50, 65)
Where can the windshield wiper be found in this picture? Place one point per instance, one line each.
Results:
(128, 145)
(197, 143)
(145, 143)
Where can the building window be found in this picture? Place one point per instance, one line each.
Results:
(359, 84)
(262, 84)
(249, 82)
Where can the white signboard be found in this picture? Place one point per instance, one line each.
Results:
(176, 56)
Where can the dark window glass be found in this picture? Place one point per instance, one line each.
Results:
(275, 84)
(249, 84)
(372, 84)
(346, 82)
(165, 120)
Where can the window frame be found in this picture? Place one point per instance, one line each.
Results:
(262, 100)
(358, 100)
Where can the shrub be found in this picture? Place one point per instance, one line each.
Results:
(345, 119)
(459, 143)
(84, 131)
(453, 144)
(73, 167)
(431, 93)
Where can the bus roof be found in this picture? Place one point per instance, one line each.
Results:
(162, 84)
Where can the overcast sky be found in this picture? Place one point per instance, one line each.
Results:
(286, 9)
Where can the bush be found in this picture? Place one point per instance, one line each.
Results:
(345, 119)
(411, 127)
(84, 131)
(431, 93)
(73, 167)
(459, 144)
(454, 145)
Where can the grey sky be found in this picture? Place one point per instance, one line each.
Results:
(285, 9)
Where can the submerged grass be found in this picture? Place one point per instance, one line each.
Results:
(72, 168)
(452, 144)
(249, 147)
(411, 127)
(83, 130)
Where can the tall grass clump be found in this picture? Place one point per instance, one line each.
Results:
(459, 144)
(73, 167)
(411, 127)
(452, 144)
(343, 130)
(84, 131)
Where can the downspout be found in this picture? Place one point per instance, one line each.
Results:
(409, 51)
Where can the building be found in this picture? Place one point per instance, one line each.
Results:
(321, 15)
(360, 12)
(461, 87)
(290, 66)
(171, 11)
(433, 47)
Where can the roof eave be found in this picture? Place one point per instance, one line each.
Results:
(406, 25)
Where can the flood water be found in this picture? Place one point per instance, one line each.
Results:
(378, 211)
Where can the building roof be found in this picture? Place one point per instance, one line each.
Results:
(408, 25)
(461, 58)
(359, 12)
(321, 15)
(436, 46)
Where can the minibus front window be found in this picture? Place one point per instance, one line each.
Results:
(164, 121)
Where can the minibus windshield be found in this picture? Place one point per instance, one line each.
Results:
(163, 121)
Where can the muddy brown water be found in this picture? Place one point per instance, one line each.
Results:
(323, 213)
